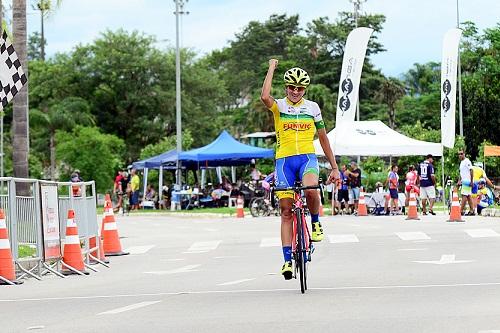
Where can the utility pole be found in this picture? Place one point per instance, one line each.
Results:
(179, 10)
(356, 14)
(460, 114)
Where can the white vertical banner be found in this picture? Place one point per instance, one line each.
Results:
(350, 76)
(449, 85)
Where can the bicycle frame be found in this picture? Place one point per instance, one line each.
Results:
(299, 212)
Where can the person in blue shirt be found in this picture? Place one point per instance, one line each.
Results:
(427, 181)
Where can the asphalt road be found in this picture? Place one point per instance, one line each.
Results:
(201, 274)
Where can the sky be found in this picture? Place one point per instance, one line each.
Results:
(412, 33)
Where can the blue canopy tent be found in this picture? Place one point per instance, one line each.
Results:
(224, 151)
(167, 160)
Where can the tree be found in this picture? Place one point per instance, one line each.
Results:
(20, 109)
(422, 78)
(391, 92)
(61, 116)
(480, 59)
(95, 154)
(34, 46)
(46, 7)
(166, 144)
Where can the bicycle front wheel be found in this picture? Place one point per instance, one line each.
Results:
(301, 260)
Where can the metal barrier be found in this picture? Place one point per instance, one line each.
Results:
(21, 200)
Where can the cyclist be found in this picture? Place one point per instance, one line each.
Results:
(296, 120)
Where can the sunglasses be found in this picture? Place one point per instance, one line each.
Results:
(299, 89)
(460, 154)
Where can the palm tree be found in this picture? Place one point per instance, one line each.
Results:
(20, 107)
(45, 7)
(65, 115)
(389, 93)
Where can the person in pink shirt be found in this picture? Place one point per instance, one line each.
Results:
(411, 184)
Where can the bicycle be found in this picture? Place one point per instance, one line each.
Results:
(302, 248)
(263, 206)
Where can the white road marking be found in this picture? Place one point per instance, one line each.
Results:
(343, 238)
(269, 242)
(176, 259)
(477, 233)
(184, 269)
(129, 308)
(419, 249)
(39, 327)
(235, 282)
(417, 235)
(489, 331)
(139, 249)
(211, 229)
(445, 259)
(200, 247)
(244, 291)
(226, 257)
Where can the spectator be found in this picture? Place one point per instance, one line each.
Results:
(255, 174)
(355, 181)
(118, 191)
(411, 184)
(479, 174)
(135, 183)
(393, 197)
(466, 180)
(427, 181)
(151, 195)
(343, 192)
(217, 195)
(127, 191)
(226, 184)
(165, 198)
(76, 178)
(485, 196)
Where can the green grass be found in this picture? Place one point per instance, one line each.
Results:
(26, 251)
(222, 210)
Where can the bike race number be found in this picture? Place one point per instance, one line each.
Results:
(50, 221)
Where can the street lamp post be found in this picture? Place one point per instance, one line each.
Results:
(179, 10)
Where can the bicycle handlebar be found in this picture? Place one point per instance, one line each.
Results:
(297, 188)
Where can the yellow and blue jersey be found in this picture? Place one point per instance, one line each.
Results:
(295, 126)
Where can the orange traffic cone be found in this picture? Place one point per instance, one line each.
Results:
(7, 270)
(361, 204)
(240, 212)
(109, 232)
(412, 207)
(72, 252)
(99, 254)
(455, 214)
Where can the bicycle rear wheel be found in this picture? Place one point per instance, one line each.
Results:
(258, 207)
(300, 259)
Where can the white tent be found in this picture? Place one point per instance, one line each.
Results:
(374, 138)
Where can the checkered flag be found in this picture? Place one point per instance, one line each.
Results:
(12, 77)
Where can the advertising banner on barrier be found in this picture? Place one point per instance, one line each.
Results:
(350, 76)
(449, 66)
(50, 221)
